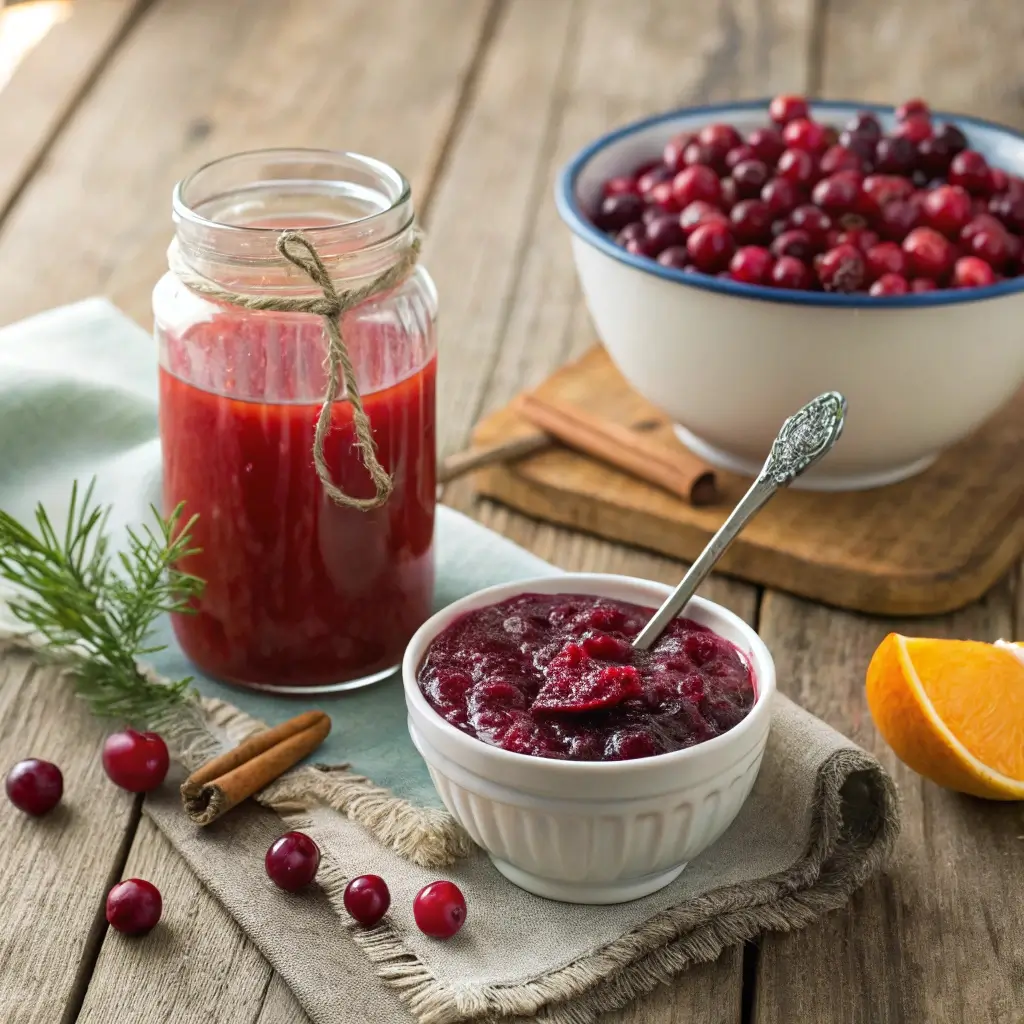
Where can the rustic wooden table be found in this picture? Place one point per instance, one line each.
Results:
(478, 101)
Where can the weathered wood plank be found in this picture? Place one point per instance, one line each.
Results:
(56, 869)
(940, 936)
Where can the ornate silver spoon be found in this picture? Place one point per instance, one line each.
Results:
(804, 438)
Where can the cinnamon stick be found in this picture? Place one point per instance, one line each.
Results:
(678, 472)
(226, 781)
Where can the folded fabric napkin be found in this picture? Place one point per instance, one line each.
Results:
(78, 399)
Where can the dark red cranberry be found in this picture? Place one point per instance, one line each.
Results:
(980, 222)
(710, 247)
(697, 154)
(784, 109)
(998, 179)
(884, 188)
(837, 194)
(951, 137)
(638, 246)
(696, 182)
(889, 284)
(933, 157)
(815, 222)
(664, 232)
(750, 177)
(885, 258)
(367, 899)
(806, 135)
(795, 243)
(862, 146)
(752, 265)
(697, 212)
(618, 210)
(841, 269)
(863, 238)
(897, 219)
(136, 761)
(632, 232)
(674, 256)
(663, 198)
(781, 196)
(623, 185)
(916, 129)
(972, 272)
(739, 154)
(791, 273)
(292, 861)
(646, 181)
(439, 910)
(134, 906)
(913, 108)
(991, 245)
(719, 136)
(839, 158)
(1009, 209)
(929, 254)
(34, 786)
(751, 221)
(672, 155)
(923, 284)
(864, 123)
(970, 170)
(947, 209)
(767, 145)
(797, 167)
(729, 194)
(894, 155)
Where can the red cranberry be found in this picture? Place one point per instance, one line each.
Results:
(796, 243)
(663, 198)
(913, 108)
(864, 123)
(719, 136)
(884, 188)
(972, 272)
(889, 284)
(862, 146)
(632, 232)
(885, 258)
(767, 145)
(624, 185)
(729, 194)
(815, 222)
(838, 194)
(806, 135)
(991, 245)
(951, 137)
(136, 761)
(697, 212)
(934, 155)
(998, 179)
(750, 177)
(947, 209)
(696, 182)
(34, 786)
(751, 220)
(780, 196)
(657, 174)
(134, 906)
(739, 154)
(860, 237)
(638, 246)
(710, 246)
(1009, 208)
(672, 155)
(894, 155)
(439, 910)
(789, 272)
(841, 269)
(929, 254)
(897, 219)
(916, 129)
(970, 170)
(674, 256)
(923, 284)
(784, 109)
(292, 861)
(839, 158)
(663, 232)
(697, 154)
(797, 167)
(752, 264)
(367, 899)
(618, 210)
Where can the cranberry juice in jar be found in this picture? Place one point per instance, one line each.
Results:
(303, 593)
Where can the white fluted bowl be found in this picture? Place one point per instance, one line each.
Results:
(583, 831)
(728, 362)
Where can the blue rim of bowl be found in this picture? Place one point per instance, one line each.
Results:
(577, 221)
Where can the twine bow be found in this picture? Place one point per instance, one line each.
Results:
(298, 250)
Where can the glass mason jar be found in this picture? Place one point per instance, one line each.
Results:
(302, 594)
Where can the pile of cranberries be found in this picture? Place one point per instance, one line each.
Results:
(800, 205)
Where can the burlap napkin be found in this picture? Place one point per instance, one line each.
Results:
(823, 814)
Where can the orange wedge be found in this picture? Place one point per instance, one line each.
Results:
(953, 710)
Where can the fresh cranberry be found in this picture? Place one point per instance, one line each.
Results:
(697, 212)
(897, 219)
(885, 258)
(750, 177)
(991, 245)
(947, 209)
(696, 182)
(970, 170)
(865, 124)
(815, 222)
(923, 284)
(729, 194)
(34, 786)
(672, 155)
(367, 899)
(784, 109)
(1009, 209)
(632, 232)
(884, 188)
(739, 154)
(751, 220)
(780, 196)
(929, 254)
(697, 154)
(664, 232)
(134, 906)
(861, 237)
(911, 109)
(841, 269)
(292, 861)
(674, 256)
(618, 210)
(791, 273)
(719, 136)
(934, 155)
(862, 146)
(998, 179)
(972, 272)
(839, 158)
(638, 246)
(648, 179)
(752, 264)
(797, 167)
(710, 247)
(623, 185)
(951, 138)
(894, 155)
(136, 761)
(767, 145)
(663, 199)
(796, 243)
(806, 135)
(439, 910)
(916, 129)
(889, 284)
(837, 194)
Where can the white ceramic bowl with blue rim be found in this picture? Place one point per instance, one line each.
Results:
(728, 362)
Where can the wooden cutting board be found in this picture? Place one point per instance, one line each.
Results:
(924, 546)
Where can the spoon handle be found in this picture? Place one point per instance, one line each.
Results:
(804, 438)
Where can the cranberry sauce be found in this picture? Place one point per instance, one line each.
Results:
(555, 675)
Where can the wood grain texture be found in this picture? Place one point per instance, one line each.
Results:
(929, 544)
(939, 937)
(57, 869)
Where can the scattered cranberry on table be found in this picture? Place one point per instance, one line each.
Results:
(136, 761)
(367, 899)
(799, 192)
(439, 909)
(34, 786)
(292, 861)
(134, 906)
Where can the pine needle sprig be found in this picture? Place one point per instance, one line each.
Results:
(97, 611)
